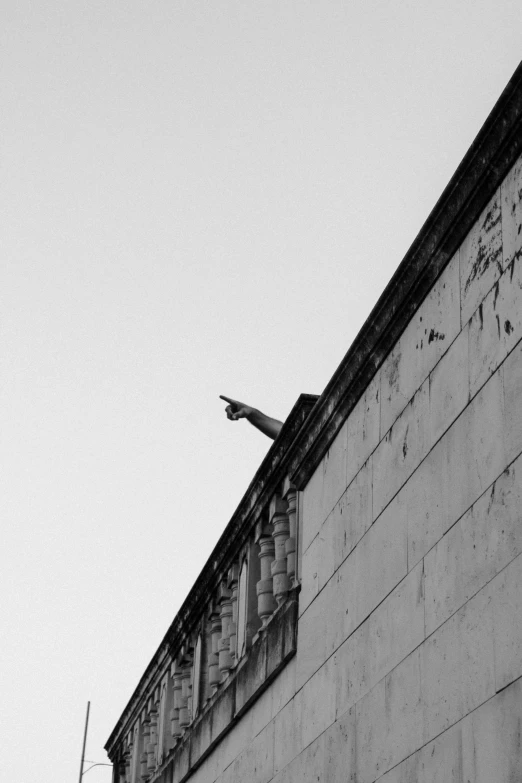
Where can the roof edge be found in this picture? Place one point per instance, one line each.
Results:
(494, 150)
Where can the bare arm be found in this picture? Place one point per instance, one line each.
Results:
(238, 410)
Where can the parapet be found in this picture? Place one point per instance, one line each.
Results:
(233, 634)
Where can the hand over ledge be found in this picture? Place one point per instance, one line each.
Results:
(239, 410)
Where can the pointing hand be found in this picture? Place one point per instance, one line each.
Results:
(236, 410)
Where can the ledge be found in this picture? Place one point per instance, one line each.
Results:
(274, 647)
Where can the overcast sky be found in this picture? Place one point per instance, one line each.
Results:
(198, 198)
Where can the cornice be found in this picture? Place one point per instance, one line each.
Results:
(494, 151)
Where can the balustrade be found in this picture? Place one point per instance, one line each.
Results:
(214, 675)
(144, 775)
(151, 744)
(144, 772)
(245, 585)
(203, 665)
(258, 582)
(155, 713)
(185, 711)
(266, 603)
(174, 715)
(164, 742)
(225, 659)
(126, 763)
(280, 534)
(290, 495)
(135, 755)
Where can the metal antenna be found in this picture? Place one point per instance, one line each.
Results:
(84, 740)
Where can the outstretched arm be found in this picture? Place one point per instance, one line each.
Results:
(238, 410)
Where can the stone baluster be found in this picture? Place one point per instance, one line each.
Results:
(290, 495)
(185, 714)
(151, 744)
(126, 758)
(144, 775)
(207, 649)
(126, 764)
(280, 531)
(144, 772)
(151, 761)
(214, 675)
(168, 739)
(175, 729)
(265, 592)
(233, 584)
(225, 659)
(156, 713)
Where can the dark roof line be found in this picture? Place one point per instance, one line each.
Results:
(494, 150)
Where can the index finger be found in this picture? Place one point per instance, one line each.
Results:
(227, 399)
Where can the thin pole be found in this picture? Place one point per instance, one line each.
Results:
(84, 740)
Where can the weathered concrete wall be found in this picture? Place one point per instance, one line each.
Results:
(409, 656)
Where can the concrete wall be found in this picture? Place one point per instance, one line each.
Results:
(409, 655)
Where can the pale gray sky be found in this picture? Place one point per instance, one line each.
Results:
(197, 199)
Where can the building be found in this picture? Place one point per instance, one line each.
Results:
(360, 618)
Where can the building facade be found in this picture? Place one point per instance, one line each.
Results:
(360, 618)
